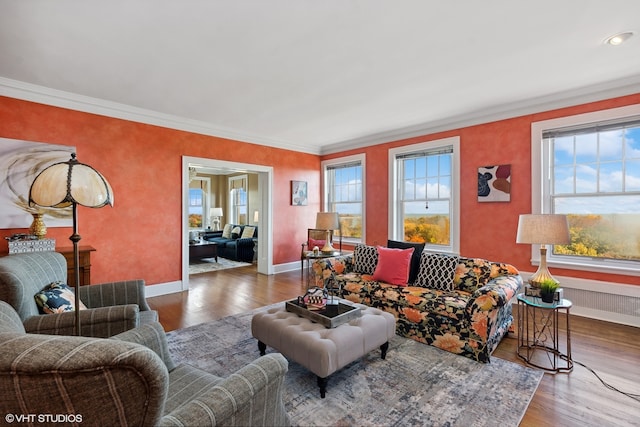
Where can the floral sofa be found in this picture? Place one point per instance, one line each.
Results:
(462, 305)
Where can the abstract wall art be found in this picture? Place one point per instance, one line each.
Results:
(20, 163)
(494, 183)
(299, 193)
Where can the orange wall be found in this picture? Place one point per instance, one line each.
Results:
(487, 230)
(140, 237)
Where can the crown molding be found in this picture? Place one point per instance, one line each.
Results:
(57, 98)
(612, 89)
(34, 93)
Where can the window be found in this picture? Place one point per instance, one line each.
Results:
(198, 202)
(343, 193)
(590, 170)
(238, 195)
(424, 194)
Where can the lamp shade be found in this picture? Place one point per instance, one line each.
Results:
(63, 184)
(327, 221)
(215, 212)
(543, 229)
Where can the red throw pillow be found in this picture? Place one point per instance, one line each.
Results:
(318, 243)
(393, 265)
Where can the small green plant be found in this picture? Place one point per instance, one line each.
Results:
(549, 286)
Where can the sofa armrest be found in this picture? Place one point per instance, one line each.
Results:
(152, 336)
(496, 293)
(250, 396)
(101, 322)
(115, 293)
(325, 268)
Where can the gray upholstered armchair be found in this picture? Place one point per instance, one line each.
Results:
(111, 307)
(129, 380)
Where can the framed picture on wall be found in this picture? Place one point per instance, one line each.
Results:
(20, 163)
(299, 193)
(494, 183)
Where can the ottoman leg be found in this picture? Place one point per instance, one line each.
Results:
(322, 383)
(383, 349)
(262, 347)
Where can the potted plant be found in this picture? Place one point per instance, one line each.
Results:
(548, 288)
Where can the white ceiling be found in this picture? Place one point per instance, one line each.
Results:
(316, 76)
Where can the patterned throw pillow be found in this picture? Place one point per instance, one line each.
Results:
(226, 232)
(58, 297)
(365, 259)
(437, 271)
(247, 232)
(235, 233)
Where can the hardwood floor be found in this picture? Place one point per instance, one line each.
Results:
(574, 399)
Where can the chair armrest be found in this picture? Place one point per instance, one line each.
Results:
(115, 293)
(152, 336)
(95, 378)
(99, 322)
(250, 396)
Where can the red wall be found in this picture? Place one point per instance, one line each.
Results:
(140, 237)
(487, 230)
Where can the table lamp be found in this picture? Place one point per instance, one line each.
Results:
(327, 221)
(215, 214)
(71, 183)
(543, 229)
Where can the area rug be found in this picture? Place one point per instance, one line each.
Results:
(206, 265)
(417, 384)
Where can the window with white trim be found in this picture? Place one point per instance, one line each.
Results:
(425, 194)
(589, 169)
(198, 202)
(343, 186)
(238, 197)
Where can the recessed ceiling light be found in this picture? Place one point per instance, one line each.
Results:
(617, 39)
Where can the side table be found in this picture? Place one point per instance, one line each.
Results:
(538, 334)
(309, 256)
(84, 255)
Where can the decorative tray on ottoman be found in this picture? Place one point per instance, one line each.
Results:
(331, 316)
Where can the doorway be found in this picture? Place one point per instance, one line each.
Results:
(264, 207)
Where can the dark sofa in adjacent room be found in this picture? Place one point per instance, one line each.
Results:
(235, 241)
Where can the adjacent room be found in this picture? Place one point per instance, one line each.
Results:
(320, 213)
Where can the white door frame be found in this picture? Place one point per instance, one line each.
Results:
(265, 190)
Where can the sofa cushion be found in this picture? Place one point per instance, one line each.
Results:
(247, 232)
(235, 232)
(415, 258)
(472, 274)
(58, 297)
(437, 271)
(226, 231)
(365, 259)
(393, 265)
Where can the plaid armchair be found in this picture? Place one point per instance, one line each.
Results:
(111, 307)
(129, 379)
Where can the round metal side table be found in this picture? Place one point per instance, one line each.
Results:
(539, 342)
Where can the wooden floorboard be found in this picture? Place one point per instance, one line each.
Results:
(567, 399)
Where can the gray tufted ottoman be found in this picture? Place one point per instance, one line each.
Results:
(323, 351)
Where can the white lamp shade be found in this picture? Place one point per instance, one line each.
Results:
(543, 229)
(215, 212)
(62, 184)
(327, 221)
